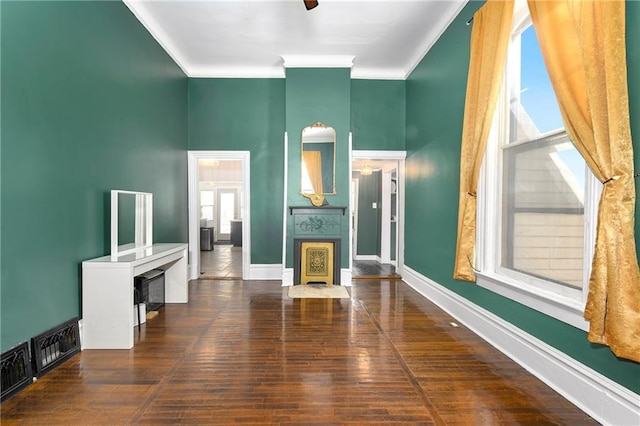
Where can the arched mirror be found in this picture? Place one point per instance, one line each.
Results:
(318, 162)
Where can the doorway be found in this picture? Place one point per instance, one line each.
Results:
(377, 204)
(227, 211)
(219, 188)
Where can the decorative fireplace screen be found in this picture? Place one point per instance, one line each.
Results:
(316, 261)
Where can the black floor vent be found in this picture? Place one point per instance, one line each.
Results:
(16, 370)
(55, 346)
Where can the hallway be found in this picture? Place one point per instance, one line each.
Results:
(243, 352)
(223, 262)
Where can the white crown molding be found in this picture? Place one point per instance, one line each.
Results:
(598, 396)
(432, 36)
(318, 61)
(139, 11)
(237, 72)
(359, 73)
(279, 72)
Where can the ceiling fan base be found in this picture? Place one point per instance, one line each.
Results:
(310, 4)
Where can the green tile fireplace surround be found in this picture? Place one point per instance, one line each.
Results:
(318, 224)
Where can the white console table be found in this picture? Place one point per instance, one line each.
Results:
(107, 292)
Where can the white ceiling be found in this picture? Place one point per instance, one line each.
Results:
(384, 39)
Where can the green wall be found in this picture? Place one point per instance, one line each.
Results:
(318, 95)
(247, 115)
(369, 219)
(378, 114)
(90, 103)
(435, 105)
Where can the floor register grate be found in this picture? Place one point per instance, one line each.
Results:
(16, 370)
(48, 350)
(54, 346)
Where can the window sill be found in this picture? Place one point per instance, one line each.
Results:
(561, 308)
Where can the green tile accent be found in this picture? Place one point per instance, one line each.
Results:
(329, 225)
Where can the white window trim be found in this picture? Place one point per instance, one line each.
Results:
(563, 303)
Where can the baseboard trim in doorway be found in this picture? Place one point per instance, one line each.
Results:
(219, 278)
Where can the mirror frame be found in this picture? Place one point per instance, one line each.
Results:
(320, 125)
(143, 223)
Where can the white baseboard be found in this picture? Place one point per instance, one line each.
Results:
(366, 257)
(265, 271)
(600, 397)
(345, 277)
(287, 277)
(80, 331)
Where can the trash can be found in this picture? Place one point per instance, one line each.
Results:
(206, 239)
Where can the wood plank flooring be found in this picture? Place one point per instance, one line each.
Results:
(242, 352)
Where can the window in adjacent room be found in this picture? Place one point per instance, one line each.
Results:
(538, 199)
(207, 204)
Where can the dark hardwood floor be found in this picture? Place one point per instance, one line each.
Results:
(242, 352)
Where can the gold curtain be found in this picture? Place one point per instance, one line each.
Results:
(489, 41)
(313, 163)
(583, 45)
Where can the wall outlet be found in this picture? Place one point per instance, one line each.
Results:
(374, 205)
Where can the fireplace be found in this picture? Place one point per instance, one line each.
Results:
(316, 261)
(322, 230)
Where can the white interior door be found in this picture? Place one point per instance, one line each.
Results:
(227, 210)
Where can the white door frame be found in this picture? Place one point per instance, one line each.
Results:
(385, 214)
(194, 206)
(353, 216)
(399, 157)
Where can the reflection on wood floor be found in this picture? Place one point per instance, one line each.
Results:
(243, 352)
(223, 262)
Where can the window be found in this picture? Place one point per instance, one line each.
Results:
(537, 198)
(207, 204)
